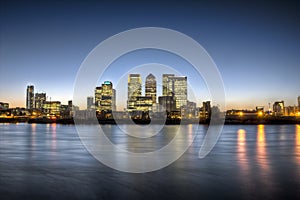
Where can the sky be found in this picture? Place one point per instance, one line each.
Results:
(255, 45)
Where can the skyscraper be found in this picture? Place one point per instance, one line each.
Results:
(39, 100)
(105, 99)
(98, 91)
(150, 87)
(165, 89)
(177, 85)
(134, 90)
(30, 97)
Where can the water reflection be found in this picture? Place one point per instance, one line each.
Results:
(263, 159)
(242, 151)
(33, 133)
(53, 138)
(297, 143)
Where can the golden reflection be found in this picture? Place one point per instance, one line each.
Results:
(262, 156)
(242, 151)
(33, 128)
(297, 143)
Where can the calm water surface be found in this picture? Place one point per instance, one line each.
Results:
(40, 161)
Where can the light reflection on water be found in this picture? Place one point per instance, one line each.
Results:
(251, 162)
(297, 145)
(242, 150)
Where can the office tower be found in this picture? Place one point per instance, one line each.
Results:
(30, 97)
(278, 108)
(150, 87)
(52, 107)
(105, 97)
(134, 90)
(165, 90)
(143, 103)
(167, 103)
(90, 103)
(98, 91)
(39, 100)
(177, 85)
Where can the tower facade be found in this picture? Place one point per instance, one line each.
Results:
(105, 97)
(177, 85)
(30, 97)
(165, 90)
(134, 90)
(39, 100)
(150, 87)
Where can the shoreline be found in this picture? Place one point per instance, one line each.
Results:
(70, 121)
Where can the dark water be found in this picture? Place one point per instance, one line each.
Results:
(249, 162)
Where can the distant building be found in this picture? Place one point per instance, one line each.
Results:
(39, 100)
(189, 111)
(134, 90)
(30, 97)
(150, 87)
(290, 111)
(167, 103)
(165, 86)
(206, 110)
(90, 103)
(177, 85)
(105, 97)
(278, 108)
(298, 102)
(52, 107)
(4, 106)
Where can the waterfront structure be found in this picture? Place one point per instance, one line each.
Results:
(52, 108)
(105, 97)
(150, 87)
(90, 103)
(177, 85)
(4, 106)
(30, 97)
(165, 90)
(134, 90)
(278, 108)
(39, 100)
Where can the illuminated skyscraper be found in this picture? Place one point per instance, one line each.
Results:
(166, 91)
(98, 92)
(134, 90)
(150, 87)
(105, 99)
(39, 100)
(30, 97)
(177, 85)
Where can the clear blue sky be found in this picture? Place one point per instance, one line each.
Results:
(256, 45)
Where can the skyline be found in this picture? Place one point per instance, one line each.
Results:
(33, 97)
(255, 46)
